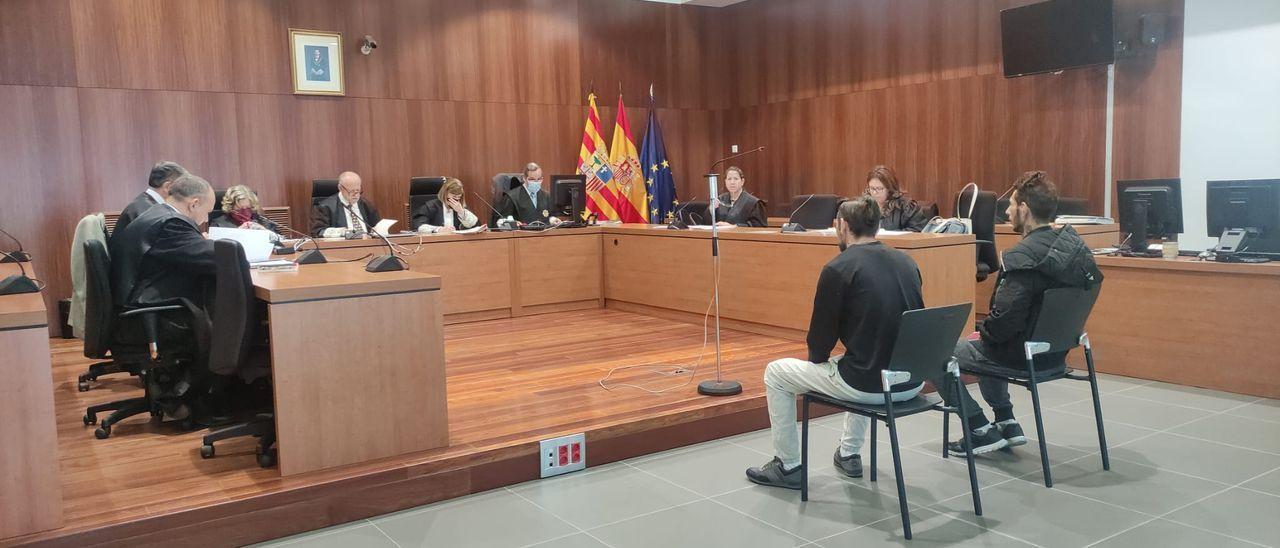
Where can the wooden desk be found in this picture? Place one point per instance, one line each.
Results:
(357, 363)
(1189, 322)
(500, 274)
(30, 494)
(767, 279)
(1094, 236)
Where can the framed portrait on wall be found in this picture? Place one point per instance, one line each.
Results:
(317, 62)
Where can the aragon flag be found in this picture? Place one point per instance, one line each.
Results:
(632, 198)
(593, 163)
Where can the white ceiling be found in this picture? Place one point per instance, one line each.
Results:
(711, 3)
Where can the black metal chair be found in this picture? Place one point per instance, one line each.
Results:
(1059, 328)
(815, 211)
(106, 319)
(983, 218)
(922, 350)
(234, 331)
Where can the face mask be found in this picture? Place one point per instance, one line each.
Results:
(242, 215)
(534, 186)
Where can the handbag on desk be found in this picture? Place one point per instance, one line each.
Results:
(955, 225)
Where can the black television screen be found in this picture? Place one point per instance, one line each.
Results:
(1056, 35)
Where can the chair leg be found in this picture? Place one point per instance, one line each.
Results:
(897, 471)
(1097, 408)
(875, 425)
(1044, 446)
(804, 448)
(946, 431)
(968, 452)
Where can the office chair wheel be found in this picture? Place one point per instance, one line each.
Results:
(206, 451)
(102, 432)
(82, 386)
(267, 459)
(90, 419)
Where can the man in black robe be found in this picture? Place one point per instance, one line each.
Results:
(345, 211)
(162, 174)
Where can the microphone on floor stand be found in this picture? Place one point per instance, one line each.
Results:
(719, 386)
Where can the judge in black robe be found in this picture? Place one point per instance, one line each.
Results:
(332, 213)
(526, 208)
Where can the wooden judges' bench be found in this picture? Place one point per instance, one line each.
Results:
(767, 278)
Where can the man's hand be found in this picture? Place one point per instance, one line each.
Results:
(555, 221)
(723, 224)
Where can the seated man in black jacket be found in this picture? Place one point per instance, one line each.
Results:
(860, 299)
(1046, 258)
(162, 174)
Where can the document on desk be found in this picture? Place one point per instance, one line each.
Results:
(384, 226)
(256, 243)
(884, 232)
(709, 227)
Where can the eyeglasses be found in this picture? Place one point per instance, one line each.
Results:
(875, 190)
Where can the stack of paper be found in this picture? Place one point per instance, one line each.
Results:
(256, 243)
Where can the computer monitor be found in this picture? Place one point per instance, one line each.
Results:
(569, 196)
(1150, 208)
(695, 212)
(1252, 206)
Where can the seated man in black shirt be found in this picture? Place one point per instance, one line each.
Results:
(1046, 258)
(860, 299)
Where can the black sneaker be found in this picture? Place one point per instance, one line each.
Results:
(773, 475)
(1011, 431)
(983, 442)
(851, 466)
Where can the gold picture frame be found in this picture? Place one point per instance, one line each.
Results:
(316, 59)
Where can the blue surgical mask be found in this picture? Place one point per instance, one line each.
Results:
(533, 186)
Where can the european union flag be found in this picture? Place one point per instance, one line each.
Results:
(657, 171)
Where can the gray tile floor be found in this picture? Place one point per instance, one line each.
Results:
(1190, 467)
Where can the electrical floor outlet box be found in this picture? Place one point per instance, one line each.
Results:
(562, 455)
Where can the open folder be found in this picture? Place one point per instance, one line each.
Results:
(256, 243)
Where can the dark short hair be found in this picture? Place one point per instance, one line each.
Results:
(164, 171)
(862, 214)
(1039, 193)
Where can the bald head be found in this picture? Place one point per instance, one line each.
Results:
(350, 185)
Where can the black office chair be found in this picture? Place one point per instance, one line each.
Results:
(102, 315)
(1059, 328)
(99, 317)
(321, 189)
(234, 333)
(928, 209)
(695, 212)
(503, 182)
(421, 191)
(922, 350)
(217, 205)
(815, 211)
(983, 217)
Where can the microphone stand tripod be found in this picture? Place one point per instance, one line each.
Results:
(719, 386)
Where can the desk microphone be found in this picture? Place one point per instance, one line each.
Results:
(310, 256)
(676, 222)
(790, 226)
(18, 256)
(381, 263)
(503, 224)
(17, 283)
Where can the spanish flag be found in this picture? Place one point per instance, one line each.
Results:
(593, 163)
(632, 198)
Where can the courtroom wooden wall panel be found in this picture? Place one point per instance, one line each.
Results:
(43, 180)
(1148, 95)
(39, 31)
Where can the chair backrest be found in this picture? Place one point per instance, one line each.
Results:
(421, 191)
(503, 182)
(1072, 206)
(929, 209)
(984, 224)
(1063, 313)
(217, 205)
(233, 308)
(926, 340)
(99, 308)
(815, 211)
(695, 212)
(321, 189)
